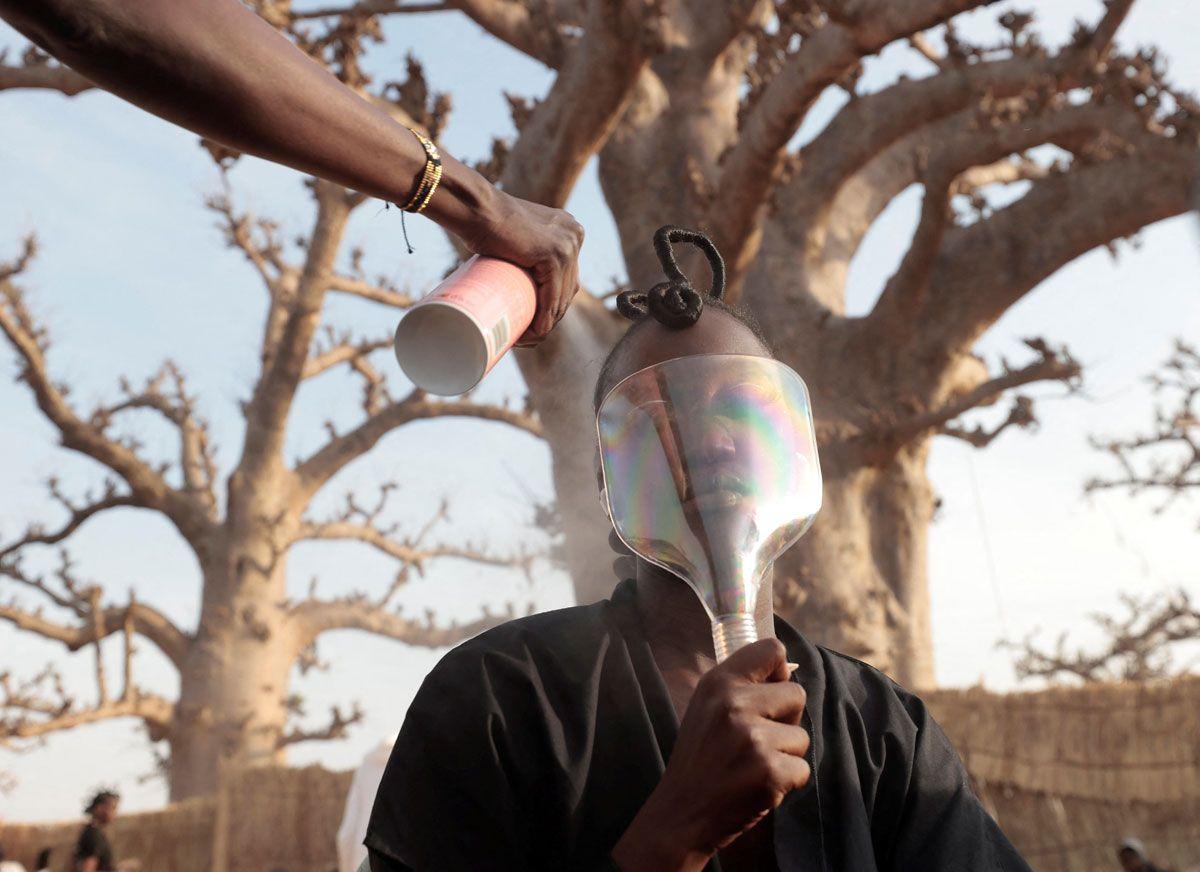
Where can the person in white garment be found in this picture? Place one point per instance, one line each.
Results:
(350, 851)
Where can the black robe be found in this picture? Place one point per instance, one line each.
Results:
(533, 745)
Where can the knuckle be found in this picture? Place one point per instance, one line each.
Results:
(801, 693)
(798, 694)
(805, 742)
(757, 740)
(730, 707)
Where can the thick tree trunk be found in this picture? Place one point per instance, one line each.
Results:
(230, 712)
(234, 681)
(654, 169)
(560, 375)
(856, 582)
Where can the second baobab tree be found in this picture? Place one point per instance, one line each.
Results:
(235, 705)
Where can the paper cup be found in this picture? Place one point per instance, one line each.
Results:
(454, 336)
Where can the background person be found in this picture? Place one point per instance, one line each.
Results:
(93, 852)
(1132, 855)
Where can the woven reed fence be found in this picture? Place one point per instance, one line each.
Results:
(281, 819)
(1067, 772)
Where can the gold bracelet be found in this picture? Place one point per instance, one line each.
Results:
(431, 175)
(437, 177)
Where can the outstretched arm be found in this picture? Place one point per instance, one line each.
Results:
(217, 68)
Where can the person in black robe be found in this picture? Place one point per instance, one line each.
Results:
(604, 737)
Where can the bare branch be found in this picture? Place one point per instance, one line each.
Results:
(363, 524)
(148, 487)
(283, 367)
(596, 80)
(922, 45)
(315, 617)
(197, 460)
(128, 628)
(370, 7)
(360, 611)
(1002, 172)
(79, 514)
(976, 144)
(1172, 449)
(1052, 365)
(1020, 415)
(1138, 647)
(97, 628)
(337, 728)
(339, 348)
(376, 292)
(40, 706)
(67, 592)
(346, 352)
(344, 449)
(38, 70)
(985, 268)
(1099, 40)
(864, 130)
(751, 170)
(408, 551)
(530, 27)
(908, 284)
(256, 238)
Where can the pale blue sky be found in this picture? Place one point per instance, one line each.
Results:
(132, 270)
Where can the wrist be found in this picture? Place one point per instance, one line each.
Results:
(465, 203)
(656, 843)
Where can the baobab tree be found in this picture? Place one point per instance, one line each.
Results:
(235, 703)
(704, 138)
(1027, 156)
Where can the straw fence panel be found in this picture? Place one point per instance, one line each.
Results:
(1105, 742)
(284, 819)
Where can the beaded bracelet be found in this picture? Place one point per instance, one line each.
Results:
(430, 176)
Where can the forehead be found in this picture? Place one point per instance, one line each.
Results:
(716, 332)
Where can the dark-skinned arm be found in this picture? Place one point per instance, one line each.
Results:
(216, 68)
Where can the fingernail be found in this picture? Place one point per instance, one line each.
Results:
(792, 667)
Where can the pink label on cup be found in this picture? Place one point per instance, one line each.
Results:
(499, 296)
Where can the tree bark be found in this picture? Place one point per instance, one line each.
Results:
(856, 582)
(234, 681)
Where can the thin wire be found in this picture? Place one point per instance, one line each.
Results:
(987, 544)
(403, 228)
